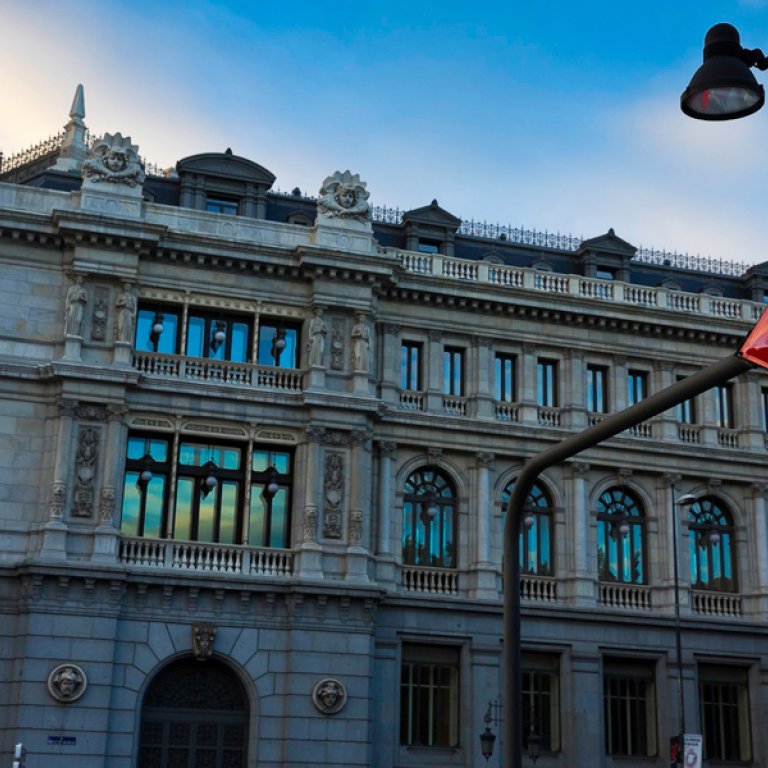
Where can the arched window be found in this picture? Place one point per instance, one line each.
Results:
(536, 546)
(194, 713)
(429, 519)
(710, 546)
(620, 537)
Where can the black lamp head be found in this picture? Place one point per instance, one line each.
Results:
(723, 87)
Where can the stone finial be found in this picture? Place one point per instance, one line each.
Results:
(343, 196)
(73, 148)
(115, 160)
(77, 111)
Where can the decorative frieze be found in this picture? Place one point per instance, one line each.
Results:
(107, 505)
(100, 314)
(333, 493)
(85, 471)
(58, 498)
(356, 527)
(310, 524)
(337, 345)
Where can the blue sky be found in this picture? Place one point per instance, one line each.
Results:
(556, 115)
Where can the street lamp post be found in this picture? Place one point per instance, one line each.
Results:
(753, 352)
(678, 502)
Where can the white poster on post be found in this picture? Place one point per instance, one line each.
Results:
(692, 750)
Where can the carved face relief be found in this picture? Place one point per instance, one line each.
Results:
(329, 696)
(346, 197)
(115, 160)
(67, 683)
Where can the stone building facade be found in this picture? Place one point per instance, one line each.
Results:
(256, 452)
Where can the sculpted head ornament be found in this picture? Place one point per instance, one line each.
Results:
(344, 196)
(114, 159)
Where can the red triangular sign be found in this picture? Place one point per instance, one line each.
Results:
(755, 348)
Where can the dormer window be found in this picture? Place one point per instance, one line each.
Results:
(221, 205)
(429, 246)
(605, 273)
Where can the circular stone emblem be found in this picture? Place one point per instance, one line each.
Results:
(329, 696)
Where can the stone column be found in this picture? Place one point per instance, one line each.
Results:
(485, 585)
(55, 530)
(434, 372)
(310, 564)
(529, 412)
(574, 402)
(385, 561)
(390, 363)
(665, 426)
(759, 546)
(358, 548)
(749, 410)
(484, 373)
(105, 543)
(583, 578)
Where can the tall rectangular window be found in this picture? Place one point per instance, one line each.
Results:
(686, 411)
(220, 337)
(157, 329)
(629, 704)
(597, 389)
(410, 366)
(637, 386)
(504, 378)
(724, 708)
(429, 696)
(546, 383)
(453, 371)
(725, 409)
(541, 698)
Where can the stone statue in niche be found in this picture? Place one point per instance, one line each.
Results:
(329, 696)
(344, 196)
(67, 683)
(85, 471)
(317, 332)
(334, 495)
(115, 160)
(203, 636)
(126, 313)
(77, 298)
(360, 343)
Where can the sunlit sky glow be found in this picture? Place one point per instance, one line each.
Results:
(550, 115)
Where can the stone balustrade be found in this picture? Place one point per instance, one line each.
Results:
(203, 557)
(724, 604)
(432, 581)
(633, 597)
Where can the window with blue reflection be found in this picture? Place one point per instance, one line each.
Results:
(711, 546)
(218, 337)
(637, 386)
(621, 537)
(410, 366)
(546, 383)
(453, 371)
(505, 389)
(536, 533)
(429, 514)
(270, 510)
(145, 484)
(157, 329)
(278, 344)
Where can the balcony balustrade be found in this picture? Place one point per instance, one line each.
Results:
(632, 597)
(432, 581)
(541, 589)
(723, 604)
(218, 371)
(203, 557)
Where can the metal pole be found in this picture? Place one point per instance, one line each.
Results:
(678, 632)
(683, 390)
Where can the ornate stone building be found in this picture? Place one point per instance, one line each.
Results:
(255, 458)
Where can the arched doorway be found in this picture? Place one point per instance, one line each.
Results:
(194, 715)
